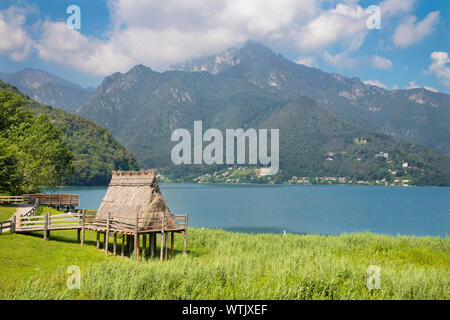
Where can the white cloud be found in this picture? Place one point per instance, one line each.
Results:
(413, 85)
(409, 32)
(161, 33)
(396, 7)
(345, 24)
(376, 83)
(15, 41)
(439, 67)
(341, 60)
(432, 89)
(307, 61)
(381, 63)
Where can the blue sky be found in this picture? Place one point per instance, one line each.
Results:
(411, 48)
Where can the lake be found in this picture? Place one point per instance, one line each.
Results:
(420, 211)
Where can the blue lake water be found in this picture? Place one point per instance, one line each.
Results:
(421, 211)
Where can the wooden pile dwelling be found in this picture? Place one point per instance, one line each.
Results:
(135, 208)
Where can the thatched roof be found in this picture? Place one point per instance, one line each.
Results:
(131, 194)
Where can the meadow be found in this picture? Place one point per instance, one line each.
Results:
(224, 265)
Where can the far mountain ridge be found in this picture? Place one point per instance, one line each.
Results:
(142, 107)
(47, 88)
(417, 115)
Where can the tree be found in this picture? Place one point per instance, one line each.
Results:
(33, 148)
(9, 174)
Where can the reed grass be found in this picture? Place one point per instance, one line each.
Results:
(223, 265)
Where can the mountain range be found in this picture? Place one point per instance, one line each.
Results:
(49, 89)
(329, 125)
(416, 115)
(143, 107)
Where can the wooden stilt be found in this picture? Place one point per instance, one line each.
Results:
(144, 244)
(136, 238)
(129, 245)
(122, 251)
(171, 243)
(98, 240)
(162, 247)
(166, 235)
(162, 238)
(152, 244)
(115, 244)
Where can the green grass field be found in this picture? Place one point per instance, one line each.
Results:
(6, 211)
(223, 265)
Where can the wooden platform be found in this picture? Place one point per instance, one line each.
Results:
(82, 222)
(51, 200)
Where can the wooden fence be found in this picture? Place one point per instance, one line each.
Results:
(51, 200)
(5, 225)
(11, 199)
(81, 221)
(54, 200)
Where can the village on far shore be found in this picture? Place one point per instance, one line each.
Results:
(398, 175)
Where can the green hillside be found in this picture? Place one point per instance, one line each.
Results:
(95, 151)
(141, 108)
(416, 115)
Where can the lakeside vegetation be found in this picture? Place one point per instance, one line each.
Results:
(91, 151)
(224, 265)
(33, 154)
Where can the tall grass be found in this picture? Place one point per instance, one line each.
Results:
(222, 265)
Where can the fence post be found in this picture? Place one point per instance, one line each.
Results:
(45, 225)
(83, 226)
(107, 234)
(185, 233)
(49, 222)
(12, 228)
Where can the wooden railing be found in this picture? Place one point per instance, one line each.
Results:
(5, 225)
(33, 210)
(129, 225)
(54, 200)
(51, 200)
(48, 222)
(11, 199)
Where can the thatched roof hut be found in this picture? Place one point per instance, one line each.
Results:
(134, 194)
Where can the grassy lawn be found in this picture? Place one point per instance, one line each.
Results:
(6, 211)
(223, 265)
